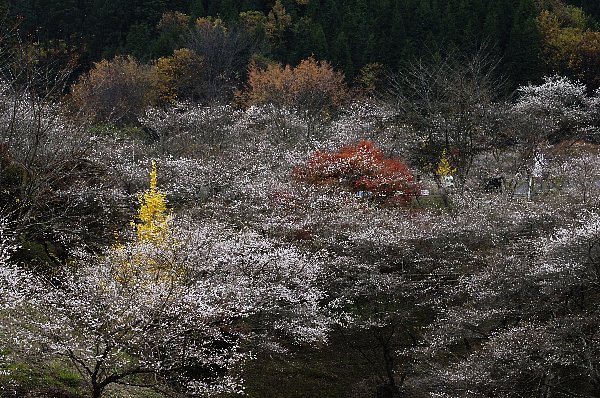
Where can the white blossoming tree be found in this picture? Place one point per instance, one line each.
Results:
(172, 308)
(526, 322)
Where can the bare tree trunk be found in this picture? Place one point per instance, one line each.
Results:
(97, 391)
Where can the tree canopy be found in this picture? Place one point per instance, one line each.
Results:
(349, 34)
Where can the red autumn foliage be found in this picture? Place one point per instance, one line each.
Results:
(359, 167)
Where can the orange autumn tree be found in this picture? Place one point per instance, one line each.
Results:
(312, 84)
(360, 167)
(312, 88)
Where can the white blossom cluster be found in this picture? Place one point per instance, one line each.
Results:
(556, 103)
(146, 309)
(467, 296)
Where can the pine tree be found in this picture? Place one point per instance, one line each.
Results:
(139, 42)
(197, 9)
(311, 40)
(522, 59)
(341, 56)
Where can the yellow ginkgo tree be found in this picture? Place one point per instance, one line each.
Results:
(154, 218)
(150, 256)
(444, 169)
(444, 172)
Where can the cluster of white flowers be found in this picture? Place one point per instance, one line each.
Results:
(556, 102)
(144, 308)
(256, 258)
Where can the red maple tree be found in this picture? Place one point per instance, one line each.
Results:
(360, 167)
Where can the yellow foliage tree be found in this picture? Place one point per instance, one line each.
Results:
(155, 219)
(278, 22)
(370, 77)
(253, 21)
(153, 227)
(175, 22)
(176, 76)
(210, 23)
(443, 168)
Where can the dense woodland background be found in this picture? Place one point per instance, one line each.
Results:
(301, 198)
(349, 34)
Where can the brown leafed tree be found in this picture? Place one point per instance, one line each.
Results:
(313, 87)
(177, 77)
(225, 53)
(115, 91)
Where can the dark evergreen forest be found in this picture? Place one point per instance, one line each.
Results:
(350, 34)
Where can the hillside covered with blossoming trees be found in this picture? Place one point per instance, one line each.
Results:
(221, 199)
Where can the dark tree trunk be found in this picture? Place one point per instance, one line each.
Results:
(388, 391)
(97, 391)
